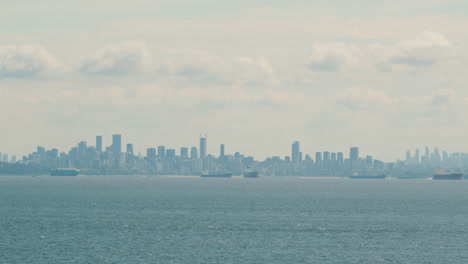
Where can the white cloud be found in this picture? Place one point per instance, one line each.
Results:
(428, 48)
(25, 61)
(123, 59)
(198, 66)
(204, 68)
(357, 98)
(333, 56)
(425, 49)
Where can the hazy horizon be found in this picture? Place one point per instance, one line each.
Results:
(385, 76)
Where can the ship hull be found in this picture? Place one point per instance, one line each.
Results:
(223, 175)
(64, 172)
(253, 174)
(372, 177)
(452, 176)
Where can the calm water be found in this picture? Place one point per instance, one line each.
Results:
(193, 220)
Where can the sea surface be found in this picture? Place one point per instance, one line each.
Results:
(128, 219)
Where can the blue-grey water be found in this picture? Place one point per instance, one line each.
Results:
(193, 220)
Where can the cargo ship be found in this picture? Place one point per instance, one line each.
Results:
(64, 172)
(442, 175)
(369, 177)
(252, 174)
(221, 175)
(451, 176)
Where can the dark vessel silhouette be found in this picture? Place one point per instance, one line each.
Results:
(440, 174)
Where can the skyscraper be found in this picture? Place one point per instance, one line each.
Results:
(408, 156)
(295, 153)
(354, 154)
(99, 143)
(184, 153)
(170, 153)
(318, 158)
(161, 152)
(339, 158)
(221, 151)
(151, 153)
(202, 147)
(82, 150)
(117, 143)
(194, 153)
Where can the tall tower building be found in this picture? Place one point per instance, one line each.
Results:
(161, 152)
(194, 153)
(296, 153)
(339, 158)
(202, 147)
(417, 159)
(117, 143)
(170, 153)
(221, 151)
(353, 154)
(99, 143)
(408, 156)
(184, 153)
(151, 153)
(318, 158)
(82, 150)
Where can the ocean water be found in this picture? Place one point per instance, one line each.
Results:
(268, 220)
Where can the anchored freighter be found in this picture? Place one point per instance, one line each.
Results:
(440, 174)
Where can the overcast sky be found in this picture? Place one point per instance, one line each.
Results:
(256, 75)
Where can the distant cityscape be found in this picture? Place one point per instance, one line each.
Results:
(112, 160)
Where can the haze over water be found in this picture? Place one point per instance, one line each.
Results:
(194, 220)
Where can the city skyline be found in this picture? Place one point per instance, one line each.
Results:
(166, 160)
(116, 145)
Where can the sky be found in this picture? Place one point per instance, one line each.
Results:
(256, 75)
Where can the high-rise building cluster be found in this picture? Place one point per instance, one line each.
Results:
(97, 159)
